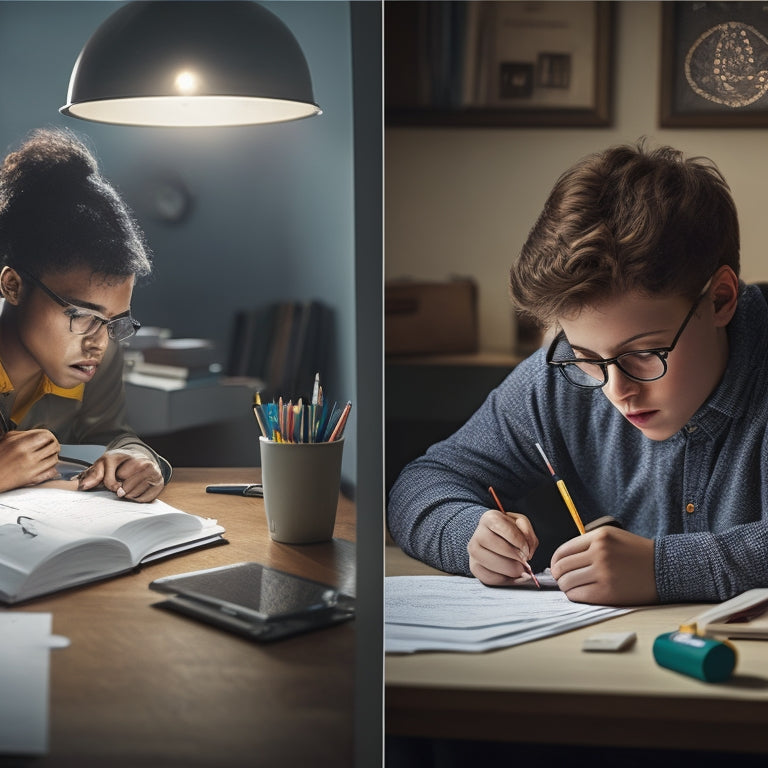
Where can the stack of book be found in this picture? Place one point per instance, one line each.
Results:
(174, 360)
(282, 344)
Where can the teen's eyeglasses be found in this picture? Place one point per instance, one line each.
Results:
(84, 322)
(641, 365)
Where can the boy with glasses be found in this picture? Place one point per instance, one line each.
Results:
(650, 401)
(71, 253)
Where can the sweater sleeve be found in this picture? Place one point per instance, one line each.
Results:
(437, 501)
(712, 566)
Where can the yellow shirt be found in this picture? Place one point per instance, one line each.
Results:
(93, 414)
(44, 387)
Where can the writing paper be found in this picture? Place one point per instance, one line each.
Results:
(457, 613)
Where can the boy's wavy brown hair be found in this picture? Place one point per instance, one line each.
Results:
(626, 220)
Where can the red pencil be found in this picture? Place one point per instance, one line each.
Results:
(339, 428)
(503, 511)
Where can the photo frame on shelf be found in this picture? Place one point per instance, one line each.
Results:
(714, 65)
(496, 63)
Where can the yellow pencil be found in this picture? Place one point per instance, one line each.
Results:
(259, 419)
(563, 492)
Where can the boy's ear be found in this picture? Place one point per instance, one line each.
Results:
(10, 285)
(725, 295)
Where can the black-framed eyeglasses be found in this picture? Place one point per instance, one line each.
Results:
(640, 365)
(85, 321)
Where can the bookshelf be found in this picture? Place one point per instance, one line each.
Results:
(284, 344)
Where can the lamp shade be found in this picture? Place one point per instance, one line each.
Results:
(191, 63)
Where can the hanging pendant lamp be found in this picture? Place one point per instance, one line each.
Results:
(191, 63)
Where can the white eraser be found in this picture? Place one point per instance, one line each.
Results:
(609, 641)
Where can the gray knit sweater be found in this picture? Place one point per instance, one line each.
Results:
(718, 463)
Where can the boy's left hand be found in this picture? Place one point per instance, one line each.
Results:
(607, 566)
(130, 475)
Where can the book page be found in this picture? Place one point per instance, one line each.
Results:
(24, 545)
(96, 513)
(51, 538)
(77, 515)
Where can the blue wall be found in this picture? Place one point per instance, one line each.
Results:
(273, 206)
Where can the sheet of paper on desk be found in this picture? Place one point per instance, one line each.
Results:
(456, 613)
(25, 642)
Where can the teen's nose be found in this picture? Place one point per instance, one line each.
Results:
(96, 341)
(619, 386)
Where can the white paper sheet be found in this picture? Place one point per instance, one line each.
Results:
(456, 613)
(25, 643)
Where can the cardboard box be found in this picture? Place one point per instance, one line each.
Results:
(430, 317)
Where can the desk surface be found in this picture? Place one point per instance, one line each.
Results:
(143, 687)
(550, 691)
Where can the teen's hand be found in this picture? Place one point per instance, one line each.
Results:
(607, 566)
(27, 457)
(131, 475)
(500, 547)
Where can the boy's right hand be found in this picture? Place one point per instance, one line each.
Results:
(27, 457)
(500, 547)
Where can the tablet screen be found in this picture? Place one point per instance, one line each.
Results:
(253, 589)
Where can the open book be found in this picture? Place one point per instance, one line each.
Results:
(51, 539)
(743, 616)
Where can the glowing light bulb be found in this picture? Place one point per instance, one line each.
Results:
(186, 82)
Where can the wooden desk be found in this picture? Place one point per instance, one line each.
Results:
(143, 687)
(551, 692)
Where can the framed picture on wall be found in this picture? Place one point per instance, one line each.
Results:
(714, 65)
(498, 63)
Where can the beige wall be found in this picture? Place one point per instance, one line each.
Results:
(461, 201)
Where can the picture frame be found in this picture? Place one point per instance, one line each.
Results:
(714, 65)
(495, 63)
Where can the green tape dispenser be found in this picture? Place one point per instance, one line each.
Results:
(692, 654)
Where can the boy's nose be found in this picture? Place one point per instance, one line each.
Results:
(619, 386)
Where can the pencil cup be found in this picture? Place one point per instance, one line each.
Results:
(301, 489)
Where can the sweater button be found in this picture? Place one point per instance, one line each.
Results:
(689, 508)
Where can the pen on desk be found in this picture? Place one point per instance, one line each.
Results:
(252, 489)
(563, 492)
(504, 512)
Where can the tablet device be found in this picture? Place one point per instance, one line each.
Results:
(255, 601)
